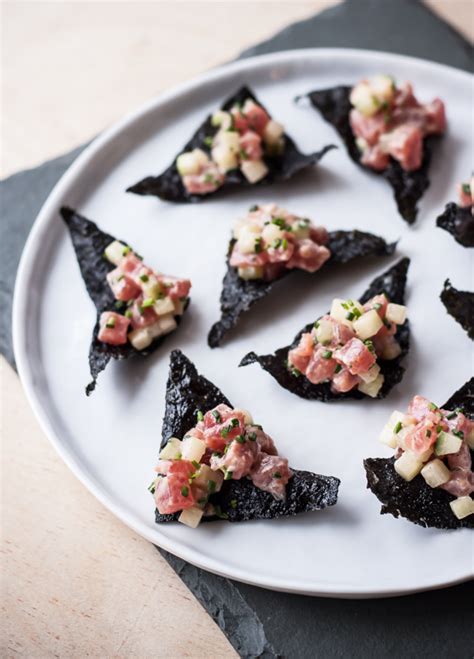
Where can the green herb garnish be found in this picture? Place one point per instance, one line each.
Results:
(185, 491)
(195, 464)
(110, 323)
(144, 278)
(126, 250)
(338, 368)
(252, 436)
(199, 415)
(240, 439)
(119, 304)
(258, 245)
(233, 503)
(276, 474)
(458, 433)
(152, 487)
(433, 407)
(149, 302)
(211, 486)
(216, 416)
(398, 427)
(327, 354)
(208, 140)
(228, 476)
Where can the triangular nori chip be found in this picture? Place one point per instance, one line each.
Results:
(238, 295)
(89, 244)
(415, 500)
(393, 283)
(459, 305)
(459, 222)
(169, 186)
(187, 392)
(408, 187)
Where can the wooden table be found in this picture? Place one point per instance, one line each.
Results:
(77, 582)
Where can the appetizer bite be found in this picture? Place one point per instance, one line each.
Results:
(458, 219)
(355, 351)
(459, 305)
(217, 463)
(386, 130)
(268, 244)
(238, 145)
(136, 306)
(429, 481)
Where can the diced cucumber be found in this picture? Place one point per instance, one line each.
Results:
(364, 100)
(361, 144)
(206, 474)
(271, 232)
(436, 473)
(462, 507)
(396, 313)
(324, 331)
(172, 449)
(408, 466)
(164, 306)
(191, 517)
(339, 310)
(247, 237)
(447, 443)
(371, 374)
(151, 288)
(388, 437)
(301, 230)
(250, 272)
(222, 119)
(191, 162)
(229, 139)
(193, 448)
(272, 132)
(254, 170)
(372, 388)
(114, 252)
(367, 325)
(140, 338)
(167, 323)
(382, 87)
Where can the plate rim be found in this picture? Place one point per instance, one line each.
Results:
(19, 311)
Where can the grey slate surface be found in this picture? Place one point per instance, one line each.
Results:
(259, 622)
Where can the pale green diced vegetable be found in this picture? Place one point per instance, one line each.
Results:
(226, 149)
(272, 133)
(396, 313)
(388, 437)
(272, 232)
(324, 331)
(361, 144)
(371, 374)
(172, 449)
(191, 162)
(254, 170)
(364, 100)
(164, 306)
(372, 388)
(339, 313)
(247, 237)
(436, 473)
(167, 323)
(250, 272)
(206, 474)
(408, 466)
(462, 507)
(222, 119)
(151, 288)
(383, 87)
(114, 252)
(140, 338)
(301, 231)
(193, 448)
(447, 443)
(191, 517)
(229, 139)
(367, 325)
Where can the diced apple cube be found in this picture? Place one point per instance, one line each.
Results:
(364, 100)
(191, 517)
(272, 132)
(247, 237)
(272, 232)
(462, 507)
(172, 449)
(206, 474)
(383, 87)
(324, 331)
(396, 313)
(372, 388)
(140, 338)
(447, 443)
(436, 473)
(114, 252)
(250, 272)
(367, 325)
(339, 311)
(391, 350)
(167, 323)
(151, 288)
(254, 170)
(408, 466)
(193, 448)
(222, 119)
(164, 306)
(371, 374)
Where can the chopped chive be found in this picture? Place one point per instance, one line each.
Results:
(144, 278)
(344, 305)
(224, 432)
(451, 415)
(179, 456)
(284, 243)
(253, 208)
(218, 513)
(208, 178)
(234, 423)
(152, 487)
(199, 415)
(428, 433)
(338, 368)
(208, 140)
(458, 433)
(110, 323)
(119, 304)
(277, 243)
(228, 476)
(377, 306)
(350, 315)
(185, 491)
(126, 250)
(277, 474)
(195, 464)
(252, 436)
(258, 245)
(316, 324)
(439, 428)
(240, 439)
(216, 416)
(466, 188)
(356, 312)
(149, 302)
(398, 427)
(120, 277)
(211, 486)
(202, 500)
(327, 354)
(233, 503)
(370, 345)
(459, 410)
(433, 407)
(226, 448)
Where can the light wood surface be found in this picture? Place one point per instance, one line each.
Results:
(76, 582)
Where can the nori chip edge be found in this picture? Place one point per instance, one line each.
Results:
(169, 186)
(188, 392)
(89, 244)
(459, 305)
(415, 500)
(392, 282)
(459, 222)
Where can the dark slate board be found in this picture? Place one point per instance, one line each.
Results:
(257, 622)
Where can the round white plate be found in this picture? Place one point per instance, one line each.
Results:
(111, 439)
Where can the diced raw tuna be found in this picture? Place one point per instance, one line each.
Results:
(461, 484)
(271, 474)
(251, 145)
(256, 116)
(421, 437)
(465, 195)
(176, 288)
(344, 381)
(320, 368)
(238, 459)
(173, 493)
(241, 123)
(264, 442)
(405, 144)
(308, 256)
(221, 426)
(209, 180)
(123, 286)
(142, 316)
(300, 356)
(113, 328)
(369, 128)
(356, 356)
(319, 234)
(375, 158)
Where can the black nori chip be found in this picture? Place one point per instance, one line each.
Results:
(169, 186)
(459, 222)
(392, 282)
(415, 500)
(187, 392)
(238, 295)
(408, 187)
(460, 305)
(89, 244)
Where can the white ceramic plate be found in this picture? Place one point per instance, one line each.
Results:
(111, 439)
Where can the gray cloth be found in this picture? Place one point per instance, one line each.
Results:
(256, 621)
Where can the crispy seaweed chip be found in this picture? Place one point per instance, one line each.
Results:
(169, 186)
(393, 283)
(238, 294)
(459, 222)
(415, 500)
(187, 392)
(460, 305)
(89, 244)
(408, 187)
